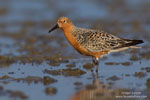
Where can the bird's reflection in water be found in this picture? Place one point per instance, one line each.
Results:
(95, 75)
(97, 91)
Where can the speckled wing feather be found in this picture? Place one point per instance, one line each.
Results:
(97, 41)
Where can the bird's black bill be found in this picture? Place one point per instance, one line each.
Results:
(55, 27)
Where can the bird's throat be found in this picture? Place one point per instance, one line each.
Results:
(68, 33)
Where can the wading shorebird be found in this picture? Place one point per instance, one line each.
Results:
(93, 43)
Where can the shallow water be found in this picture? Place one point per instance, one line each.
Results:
(37, 65)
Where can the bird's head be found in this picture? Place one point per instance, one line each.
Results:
(63, 23)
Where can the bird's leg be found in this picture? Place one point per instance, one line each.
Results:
(96, 62)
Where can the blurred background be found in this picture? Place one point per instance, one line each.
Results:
(37, 65)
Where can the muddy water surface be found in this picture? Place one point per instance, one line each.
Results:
(35, 65)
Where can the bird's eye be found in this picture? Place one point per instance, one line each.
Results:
(64, 21)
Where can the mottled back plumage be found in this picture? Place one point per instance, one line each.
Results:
(97, 41)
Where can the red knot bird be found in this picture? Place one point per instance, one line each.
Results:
(93, 43)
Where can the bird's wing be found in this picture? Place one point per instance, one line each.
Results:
(97, 41)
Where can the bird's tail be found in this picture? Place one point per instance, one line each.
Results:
(128, 44)
(133, 42)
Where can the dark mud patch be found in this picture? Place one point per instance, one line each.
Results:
(66, 72)
(139, 74)
(127, 64)
(3, 11)
(15, 95)
(88, 66)
(147, 69)
(118, 63)
(112, 63)
(71, 65)
(51, 91)
(145, 55)
(46, 80)
(134, 58)
(148, 83)
(5, 77)
(113, 78)
(127, 75)
(57, 61)
(51, 60)
(78, 83)
(6, 61)
(11, 72)
(134, 51)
